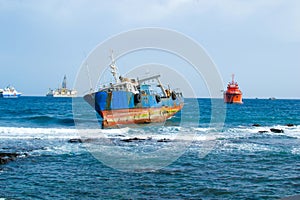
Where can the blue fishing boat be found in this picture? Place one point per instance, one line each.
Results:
(134, 101)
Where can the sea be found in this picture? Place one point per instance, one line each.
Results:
(209, 150)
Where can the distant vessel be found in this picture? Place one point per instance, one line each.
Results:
(134, 101)
(233, 94)
(50, 93)
(63, 91)
(9, 92)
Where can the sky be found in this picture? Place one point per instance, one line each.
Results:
(258, 41)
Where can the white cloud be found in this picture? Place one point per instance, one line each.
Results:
(143, 10)
(284, 15)
(150, 11)
(155, 10)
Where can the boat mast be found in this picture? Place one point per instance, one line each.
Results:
(232, 82)
(161, 87)
(114, 69)
(64, 83)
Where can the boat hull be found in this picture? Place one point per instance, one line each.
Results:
(112, 118)
(63, 96)
(233, 98)
(10, 95)
(121, 108)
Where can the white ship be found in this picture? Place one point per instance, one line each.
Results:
(9, 92)
(63, 91)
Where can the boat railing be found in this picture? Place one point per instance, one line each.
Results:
(178, 92)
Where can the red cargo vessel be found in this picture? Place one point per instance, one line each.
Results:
(233, 94)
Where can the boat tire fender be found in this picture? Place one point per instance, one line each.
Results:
(137, 98)
(158, 99)
(173, 96)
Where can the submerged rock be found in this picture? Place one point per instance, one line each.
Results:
(290, 125)
(263, 131)
(132, 139)
(75, 140)
(276, 130)
(256, 125)
(164, 140)
(7, 157)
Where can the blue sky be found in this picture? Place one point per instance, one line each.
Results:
(259, 41)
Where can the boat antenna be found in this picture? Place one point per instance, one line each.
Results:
(114, 69)
(88, 73)
(232, 78)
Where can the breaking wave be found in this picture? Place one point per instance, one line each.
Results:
(170, 132)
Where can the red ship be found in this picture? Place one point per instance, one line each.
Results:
(233, 94)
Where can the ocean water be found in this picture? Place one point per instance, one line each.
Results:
(194, 155)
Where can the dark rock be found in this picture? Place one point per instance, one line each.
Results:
(290, 125)
(275, 130)
(75, 140)
(7, 157)
(263, 131)
(256, 125)
(164, 140)
(132, 139)
(120, 135)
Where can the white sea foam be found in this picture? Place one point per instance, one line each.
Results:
(37, 133)
(171, 133)
(230, 136)
(251, 147)
(296, 151)
(246, 132)
(293, 131)
(65, 148)
(48, 141)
